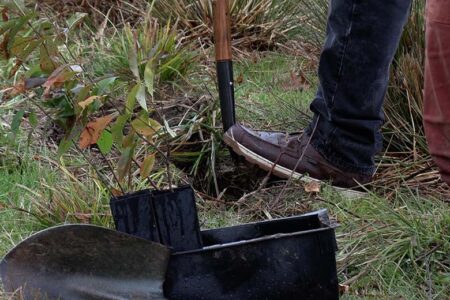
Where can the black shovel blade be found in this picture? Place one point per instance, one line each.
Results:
(85, 262)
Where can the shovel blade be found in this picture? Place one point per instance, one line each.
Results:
(85, 262)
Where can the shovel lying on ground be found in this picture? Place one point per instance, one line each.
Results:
(85, 262)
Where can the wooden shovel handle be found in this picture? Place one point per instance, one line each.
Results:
(222, 30)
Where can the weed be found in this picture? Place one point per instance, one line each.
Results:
(150, 43)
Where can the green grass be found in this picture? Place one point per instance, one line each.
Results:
(37, 192)
(269, 96)
(14, 226)
(398, 247)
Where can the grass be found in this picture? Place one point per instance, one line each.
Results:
(13, 226)
(39, 192)
(256, 24)
(397, 247)
(273, 91)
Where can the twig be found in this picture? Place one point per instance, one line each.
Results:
(288, 182)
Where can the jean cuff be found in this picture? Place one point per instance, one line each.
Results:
(334, 159)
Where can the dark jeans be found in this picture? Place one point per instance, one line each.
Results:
(362, 37)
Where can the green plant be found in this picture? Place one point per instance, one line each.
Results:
(37, 191)
(148, 47)
(75, 201)
(314, 21)
(86, 107)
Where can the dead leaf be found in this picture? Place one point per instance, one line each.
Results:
(88, 101)
(57, 78)
(14, 90)
(4, 46)
(240, 78)
(19, 88)
(116, 192)
(83, 217)
(312, 187)
(16, 68)
(296, 82)
(5, 17)
(92, 131)
(343, 289)
(147, 165)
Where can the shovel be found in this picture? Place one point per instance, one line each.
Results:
(85, 262)
(224, 63)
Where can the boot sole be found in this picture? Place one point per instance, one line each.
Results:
(281, 171)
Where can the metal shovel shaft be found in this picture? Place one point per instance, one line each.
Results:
(224, 63)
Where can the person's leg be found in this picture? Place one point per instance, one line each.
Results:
(437, 84)
(362, 37)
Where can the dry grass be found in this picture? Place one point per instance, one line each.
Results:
(256, 24)
(118, 11)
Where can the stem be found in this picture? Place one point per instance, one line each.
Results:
(79, 150)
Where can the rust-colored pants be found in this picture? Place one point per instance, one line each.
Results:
(437, 84)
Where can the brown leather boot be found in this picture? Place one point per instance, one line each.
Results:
(288, 155)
